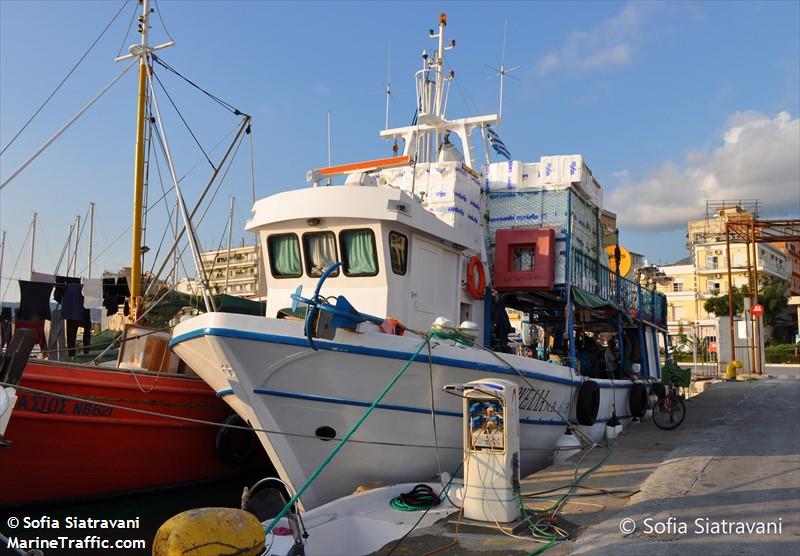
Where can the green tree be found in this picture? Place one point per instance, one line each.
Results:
(719, 303)
(774, 296)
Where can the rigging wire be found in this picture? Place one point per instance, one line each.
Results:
(64, 80)
(229, 107)
(128, 32)
(185, 123)
(164, 25)
(14, 268)
(168, 191)
(169, 212)
(63, 252)
(210, 202)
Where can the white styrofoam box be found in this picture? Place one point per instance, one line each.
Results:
(499, 176)
(447, 182)
(550, 169)
(560, 273)
(573, 168)
(531, 174)
(463, 220)
(562, 169)
(593, 189)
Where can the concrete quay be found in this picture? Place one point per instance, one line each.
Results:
(734, 463)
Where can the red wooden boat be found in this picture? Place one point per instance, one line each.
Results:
(76, 448)
(68, 449)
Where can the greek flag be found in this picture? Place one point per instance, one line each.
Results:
(497, 144)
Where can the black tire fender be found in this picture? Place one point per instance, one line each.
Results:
(637, 402)
(235, 446)
(588, 404)
(659, 390)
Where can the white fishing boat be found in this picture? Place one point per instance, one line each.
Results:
(415, 237)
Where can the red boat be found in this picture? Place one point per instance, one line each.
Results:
(64, 448)
(75, 447)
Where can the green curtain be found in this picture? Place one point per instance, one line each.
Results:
(359, 246)
(286, 255)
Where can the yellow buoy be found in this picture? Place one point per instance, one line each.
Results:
(210, 532)
(730, 370)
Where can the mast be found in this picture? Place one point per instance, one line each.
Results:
(388, 86)
(68, 251)
(330, 180)
(228, 258)
(138, 169)
(2, 252)
(141, 51)
(33, 238)
(421, 139)
(91, 237)
(77, 230)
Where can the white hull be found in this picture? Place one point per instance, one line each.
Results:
(279, 384)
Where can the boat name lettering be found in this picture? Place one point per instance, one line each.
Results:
(534, 399)
(48, 405)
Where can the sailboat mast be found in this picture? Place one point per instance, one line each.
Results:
(33, 239)
(2, 253)
(228, 256)
(91, 237)
(138, 172)
(75, 252)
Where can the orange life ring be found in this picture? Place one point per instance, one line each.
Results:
(476, 290)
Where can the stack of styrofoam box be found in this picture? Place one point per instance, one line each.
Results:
(551, 172)
(511, 175)
(452, 194)
(565, 170)
(548, 208)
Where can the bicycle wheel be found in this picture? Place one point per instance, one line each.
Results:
(669, 412)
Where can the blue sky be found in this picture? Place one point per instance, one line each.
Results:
(670, 103)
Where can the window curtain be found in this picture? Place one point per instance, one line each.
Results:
(360, 248)
(286, 255)
(321, 252)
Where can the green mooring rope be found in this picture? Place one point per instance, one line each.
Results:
(344, 439)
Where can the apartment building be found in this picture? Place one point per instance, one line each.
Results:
(705, 273)
(237, 273)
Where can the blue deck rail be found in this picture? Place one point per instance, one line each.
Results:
(591, 275)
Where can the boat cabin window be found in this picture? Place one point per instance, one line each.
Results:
(320, 252)
(398, 252)
(284, 255)
(359, 255)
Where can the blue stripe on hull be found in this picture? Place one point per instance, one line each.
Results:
(386, 353)
(389, 407)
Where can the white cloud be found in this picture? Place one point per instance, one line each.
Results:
(758, 159)
(612, 42)
(321, 89)
(548, 63)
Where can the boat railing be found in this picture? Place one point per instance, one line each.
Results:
(591, 275)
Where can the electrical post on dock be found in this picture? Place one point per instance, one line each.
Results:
(491, 450)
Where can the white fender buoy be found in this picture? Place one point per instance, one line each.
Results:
(567, 446)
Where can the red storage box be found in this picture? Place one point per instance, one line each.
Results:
(524, 259)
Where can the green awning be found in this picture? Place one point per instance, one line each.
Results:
(232, 304)
(588, 300)
(160, 315)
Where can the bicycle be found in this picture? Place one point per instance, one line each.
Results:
(670, 411)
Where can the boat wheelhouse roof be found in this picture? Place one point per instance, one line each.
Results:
(376, 203)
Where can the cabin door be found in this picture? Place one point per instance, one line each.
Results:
(434, 283)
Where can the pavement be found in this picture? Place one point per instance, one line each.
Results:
(733, 464)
